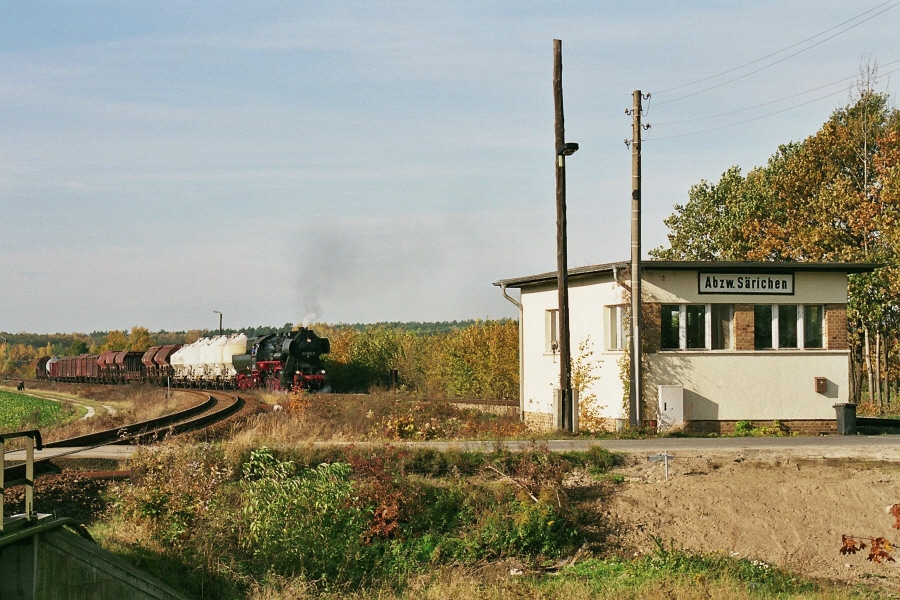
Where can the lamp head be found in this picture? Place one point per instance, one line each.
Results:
(568, 149)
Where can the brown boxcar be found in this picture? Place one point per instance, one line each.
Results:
(109, 371)
(129, 366)
(87, 367)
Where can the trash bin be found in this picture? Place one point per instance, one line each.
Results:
(846, 418)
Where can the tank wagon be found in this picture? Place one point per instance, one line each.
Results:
(282, 361)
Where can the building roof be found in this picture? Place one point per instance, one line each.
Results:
(720, 266)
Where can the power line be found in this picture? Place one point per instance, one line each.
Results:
(880, 8)
(736, 123)
(770, 102)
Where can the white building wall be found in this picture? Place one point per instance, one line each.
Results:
(586, 319)
(751, 385)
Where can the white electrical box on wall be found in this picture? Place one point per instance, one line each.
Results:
(671, 406)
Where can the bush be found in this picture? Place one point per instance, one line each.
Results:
(357, 521)
(301, 523)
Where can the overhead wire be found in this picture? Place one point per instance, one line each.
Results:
(880, 8)
(844, 80)
(777, 112)
(756, 60)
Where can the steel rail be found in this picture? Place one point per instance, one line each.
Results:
(193, 418)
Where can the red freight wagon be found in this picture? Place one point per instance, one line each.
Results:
(163, 364)
(67, 368)
(87, 367)
(156, 362)
(162, 358)
(108, 368)
(129, 366)
(53, 367)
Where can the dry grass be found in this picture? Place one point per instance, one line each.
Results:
(381, 416)
(465, 584)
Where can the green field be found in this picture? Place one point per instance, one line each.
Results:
(19, 411)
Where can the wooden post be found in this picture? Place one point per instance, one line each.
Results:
(637, 384)
(565, 360)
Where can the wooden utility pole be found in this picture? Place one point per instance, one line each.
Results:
(567, 400)
(636, 391)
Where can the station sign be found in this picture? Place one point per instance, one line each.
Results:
(781, 284)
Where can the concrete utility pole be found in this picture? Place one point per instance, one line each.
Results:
(567, 400)
(636, 392)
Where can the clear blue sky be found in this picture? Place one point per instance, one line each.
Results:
(369, 161)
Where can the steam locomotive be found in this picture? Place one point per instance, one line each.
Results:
(290, 360)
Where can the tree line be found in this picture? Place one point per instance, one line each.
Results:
(468, 359)
(833, 197)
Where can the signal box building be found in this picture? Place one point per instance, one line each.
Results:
(723, 342)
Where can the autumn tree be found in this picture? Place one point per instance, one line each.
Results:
(115, 341)
(481, 361)
(478, 361)
(15, 360)
(140, 340)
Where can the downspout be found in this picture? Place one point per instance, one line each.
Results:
(521, 353)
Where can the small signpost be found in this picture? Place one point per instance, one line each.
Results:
(665, 457)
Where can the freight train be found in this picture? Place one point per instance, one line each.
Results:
(290, 360)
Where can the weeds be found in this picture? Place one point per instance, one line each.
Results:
(354, 519)
(746, 428)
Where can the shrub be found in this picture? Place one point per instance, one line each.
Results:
(357, 520)
(300, 523)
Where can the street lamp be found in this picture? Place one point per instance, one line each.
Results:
(220, 320)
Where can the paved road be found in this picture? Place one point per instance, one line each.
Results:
(113, 452)
(880, 447)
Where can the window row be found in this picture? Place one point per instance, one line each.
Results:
(711, 327)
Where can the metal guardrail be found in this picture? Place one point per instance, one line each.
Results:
(32, 438)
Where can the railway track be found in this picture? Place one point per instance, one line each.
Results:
(214, 407)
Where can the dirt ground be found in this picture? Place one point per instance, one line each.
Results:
(786, 509)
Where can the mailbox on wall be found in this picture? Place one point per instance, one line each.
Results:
(821, 385)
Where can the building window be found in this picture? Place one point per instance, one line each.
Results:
(813, 325)
(695, 326)
(788, 326)
(762, 326)
(551, 330)
(616, 327)
(670, 327)
(721, 316)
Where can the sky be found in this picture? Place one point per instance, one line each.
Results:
(358, 162)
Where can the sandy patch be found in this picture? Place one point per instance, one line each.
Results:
(786, 509)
